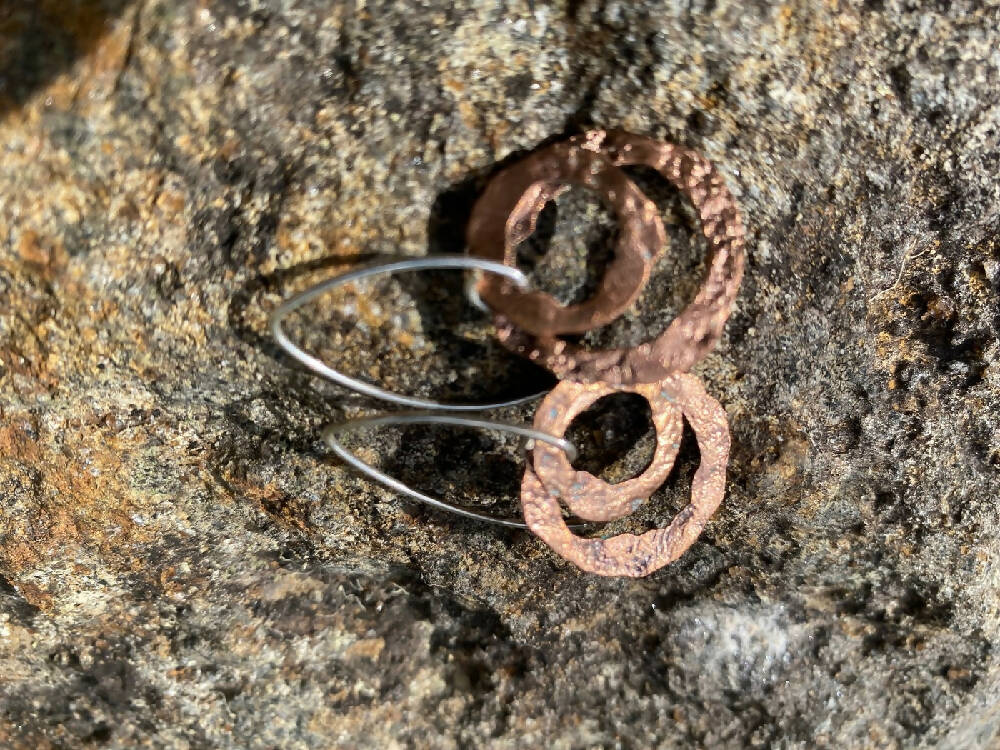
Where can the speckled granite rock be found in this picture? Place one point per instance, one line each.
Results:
(182, 565)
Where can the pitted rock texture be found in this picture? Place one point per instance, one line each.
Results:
(182, 563)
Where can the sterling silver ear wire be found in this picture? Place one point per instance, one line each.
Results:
(426, 263)
(403, 418)
(442, 413)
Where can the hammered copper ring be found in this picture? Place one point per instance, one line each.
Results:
(639, 555)
(590, 497)
(506, 213)
(697, 329)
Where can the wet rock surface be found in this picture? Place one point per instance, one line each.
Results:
(183, 565)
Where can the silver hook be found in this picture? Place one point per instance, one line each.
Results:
(440, 413)
(406, 418)
(319, 367)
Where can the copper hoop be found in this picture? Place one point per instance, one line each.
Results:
(507, 212)
(588, 496)
(639, 555)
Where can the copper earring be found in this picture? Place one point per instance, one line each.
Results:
(530, 324)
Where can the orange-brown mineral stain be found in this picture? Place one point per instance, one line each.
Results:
(67, 494)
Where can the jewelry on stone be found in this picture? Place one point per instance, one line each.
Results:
(530, 323)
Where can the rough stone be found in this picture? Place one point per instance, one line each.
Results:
(182, 564)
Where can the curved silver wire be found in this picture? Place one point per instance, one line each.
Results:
(440, 413)
(319, 367)
(404, 418)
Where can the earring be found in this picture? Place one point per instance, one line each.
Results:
(656, 369)
(530, 323)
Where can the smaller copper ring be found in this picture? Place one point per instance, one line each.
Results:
(639, 555)
(588, 496)
(694, 332)
(506, 214)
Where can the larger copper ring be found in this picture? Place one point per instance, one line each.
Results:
(629, 554)
(588, 496)
(696, 330)
(506, 214)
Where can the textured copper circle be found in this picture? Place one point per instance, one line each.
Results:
(639, 555)
(588, 496)
(696, 330)
(506, 213)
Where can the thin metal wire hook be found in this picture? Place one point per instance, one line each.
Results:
(405, 418)
(439, 413)
(320, 367)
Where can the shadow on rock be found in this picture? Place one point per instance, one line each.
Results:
(40, 39)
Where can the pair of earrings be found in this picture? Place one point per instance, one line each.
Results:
(531, 323)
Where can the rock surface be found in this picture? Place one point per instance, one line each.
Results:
(182, 564)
